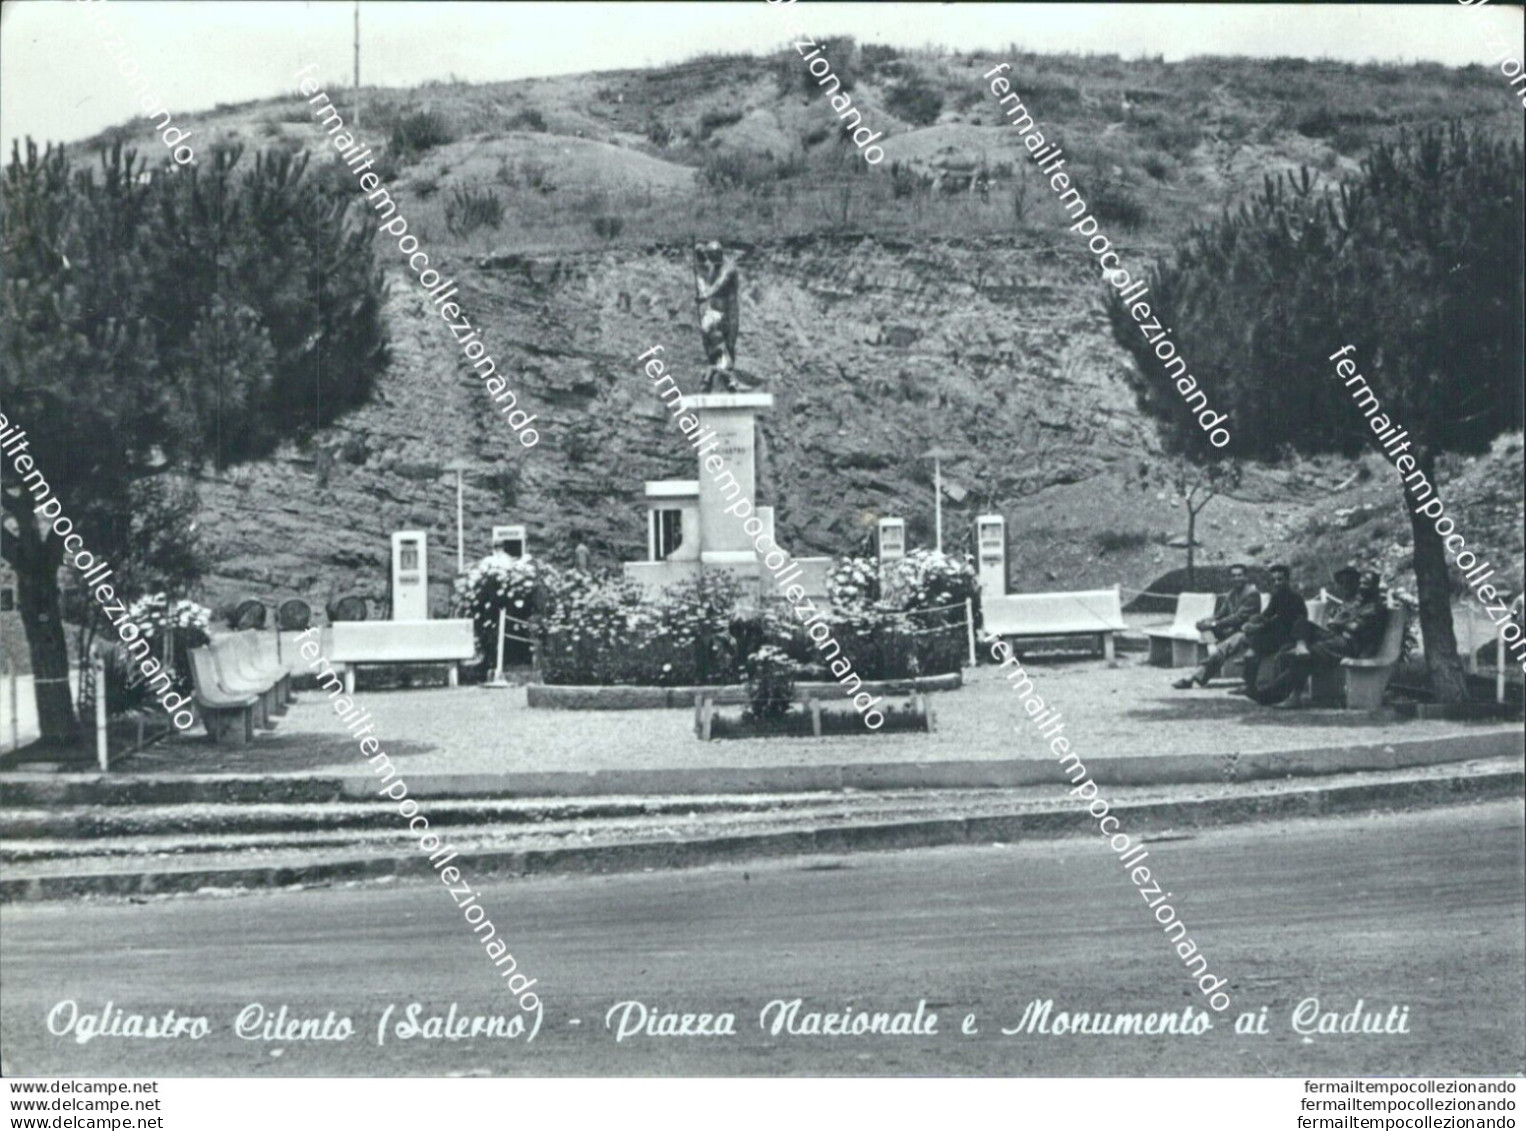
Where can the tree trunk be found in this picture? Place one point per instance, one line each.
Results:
(37, 600)
(1448, 683)
(1191, 549)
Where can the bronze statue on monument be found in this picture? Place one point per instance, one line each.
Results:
(718, 292)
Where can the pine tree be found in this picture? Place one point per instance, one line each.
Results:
(155, 322)
(78, 375)
(1417, 264)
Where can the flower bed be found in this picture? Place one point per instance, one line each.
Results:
(605, 633)
(171, 630)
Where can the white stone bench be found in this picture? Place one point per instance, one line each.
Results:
(1093, 612)
(401, 642)
(1473, 629)
(228, 713)
(1366, 679)
(1183, 645)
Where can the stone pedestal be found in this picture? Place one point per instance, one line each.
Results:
(731, 417)
(727, 446)
(991, 554)
(410, 575)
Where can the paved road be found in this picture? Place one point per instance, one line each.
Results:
(1423, 910)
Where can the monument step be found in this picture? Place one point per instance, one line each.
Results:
(87, 822)
(591, 847)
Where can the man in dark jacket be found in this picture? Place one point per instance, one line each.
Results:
(1355, 629)
(1271, 629)
(1230, 613)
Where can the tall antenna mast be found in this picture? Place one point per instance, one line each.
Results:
(357, 62)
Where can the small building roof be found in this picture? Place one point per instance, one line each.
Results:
(672, 488)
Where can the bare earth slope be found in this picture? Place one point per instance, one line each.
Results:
(884, 318)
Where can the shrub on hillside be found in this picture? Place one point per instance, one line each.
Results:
(535, 174)
(904, 182)
(466, 210)
(332, 179)
(873, 56)
(712, 120)
(751, 171)
(420, 131)
(386, 167)
(1048, 93)
(528, 119)
(913, 100)
(1322, 121)
(1110, 541)
(1114, 204)
(607, 227)
(792, 71)
(1351, 140)
(1168, 134)
(843, 53)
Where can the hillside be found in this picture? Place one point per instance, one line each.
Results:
(885, 317)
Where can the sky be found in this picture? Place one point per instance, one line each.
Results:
(60, 81)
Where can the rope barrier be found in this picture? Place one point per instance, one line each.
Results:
(1147, 592)
(936, 609)
(930, 631)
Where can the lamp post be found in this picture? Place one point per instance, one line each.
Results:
(357, 63)
(460, 467)
(938, 455)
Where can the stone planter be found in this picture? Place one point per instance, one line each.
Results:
(580, 697)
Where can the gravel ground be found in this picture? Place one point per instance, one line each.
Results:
(1130, 710)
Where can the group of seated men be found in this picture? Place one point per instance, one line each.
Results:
(1279, 645)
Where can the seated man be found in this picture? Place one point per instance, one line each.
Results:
(1270, 630)
(1230, 613)
(1348, 580)
(1354, 630)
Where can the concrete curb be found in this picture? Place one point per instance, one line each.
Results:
(41, 790)
(92, 822)
(586, 697)
(1415, 793)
